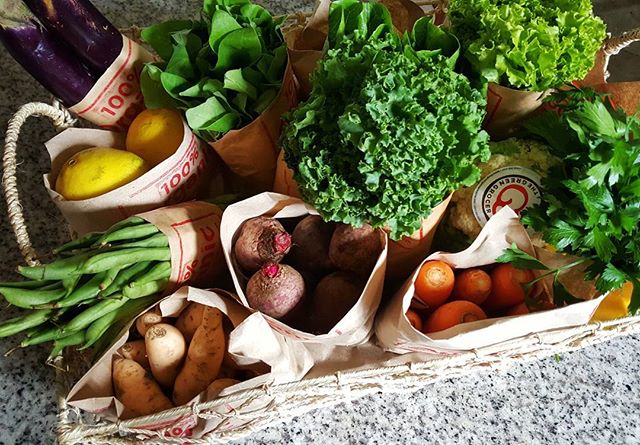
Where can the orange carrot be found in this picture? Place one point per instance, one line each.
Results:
(414, 319)
(520, 309)
(452, 314)
(434, 283)
(507, 290)
(472, 285)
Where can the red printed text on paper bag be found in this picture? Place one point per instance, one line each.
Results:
(193, 230)
(115, 100)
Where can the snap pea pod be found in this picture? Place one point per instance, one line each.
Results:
(31, 284)
(157, 240)
(124, 276)
(57, 270)
(129, 310)
(128, 233)
(88, 290)
(24, 322)
(83, 241)
(91, 314)
(152, 287)
(159, 271)
(46, 334)
(118, 258)
(30, 298)
(70, 339)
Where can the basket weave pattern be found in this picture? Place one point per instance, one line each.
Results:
(284, 401)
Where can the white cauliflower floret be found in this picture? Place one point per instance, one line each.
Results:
(511, 152)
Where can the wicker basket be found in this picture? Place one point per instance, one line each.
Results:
(284, 401)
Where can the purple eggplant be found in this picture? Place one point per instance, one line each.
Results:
(81, 26)
(46, 59)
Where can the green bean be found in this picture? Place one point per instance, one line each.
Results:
(128, 233)
(129, 310)
(19, 324)
(88, 290)
(124, 276)
(129, 222)
(152, 287)
(91, 314)
(106, 340)
(51, 333)
(29, 298)
(159, 271)
(70, 284)
(157, 240)
(71, 339)
(57, 270)
(83, 241)
(31, 284)
(117, 258)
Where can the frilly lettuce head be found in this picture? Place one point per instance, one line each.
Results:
(528, 44)
(390, 128)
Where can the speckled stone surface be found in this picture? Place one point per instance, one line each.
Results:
(586, 397)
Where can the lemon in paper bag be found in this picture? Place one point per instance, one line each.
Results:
(98, 170)
(154, 135)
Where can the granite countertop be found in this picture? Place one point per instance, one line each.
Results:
(587, 397)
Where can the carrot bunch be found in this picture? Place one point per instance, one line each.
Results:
(449, 298)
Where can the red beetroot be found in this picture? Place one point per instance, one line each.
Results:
(261, 240)
(333, 297)
(355, 249)
(275, 290)
(310, 250)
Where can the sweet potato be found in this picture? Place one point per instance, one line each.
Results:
(204, 358)
(136, 389)
(166, 350)
(276, 290)
(136, 351)
(310, 249)
(355, 249)
(261, 240)
(148, 319)
(333, 297)
(218, 385)
(189, 320)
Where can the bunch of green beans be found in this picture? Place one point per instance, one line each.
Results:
(95, 286)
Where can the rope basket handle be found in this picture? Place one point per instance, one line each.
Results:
(61, 120)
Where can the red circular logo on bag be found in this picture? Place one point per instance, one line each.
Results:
(515, 186)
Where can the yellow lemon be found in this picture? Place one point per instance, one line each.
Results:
(154, 135)
(615, 305)
(96, 171)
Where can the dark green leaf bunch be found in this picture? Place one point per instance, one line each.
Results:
(528, 44)
(224, 70)
(591, 204)
(390, 127)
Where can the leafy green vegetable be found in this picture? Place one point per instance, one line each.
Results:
(389, 128)
(528, 44)
(591, 204)
(223, 70)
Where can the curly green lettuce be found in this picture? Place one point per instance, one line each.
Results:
(528, 44)
(390, 129)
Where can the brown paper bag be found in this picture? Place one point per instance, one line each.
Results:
(356, 326)
(176, 179)
(251, 152)
(115, 100)
(252, 346)
(395, 333)
(283, 182)
(193, 231)
(405, 254)
(507, 107)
